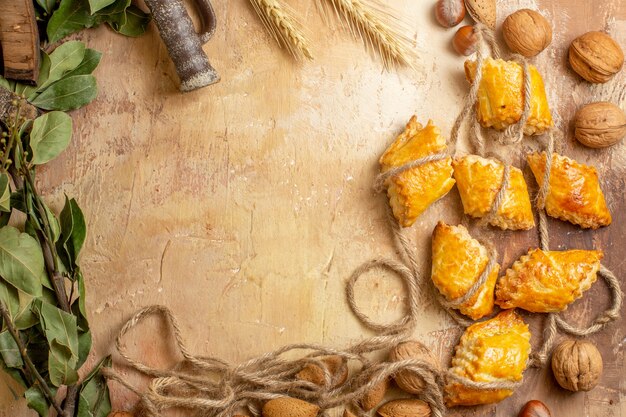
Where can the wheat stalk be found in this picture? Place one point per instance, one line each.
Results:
(283, 26)
(379, 30)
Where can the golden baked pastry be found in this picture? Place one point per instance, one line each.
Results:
(413, 190)
(494, 350)
(546, 282)
(479, 180)
(458, 262)
(501, 96)
(575, 194)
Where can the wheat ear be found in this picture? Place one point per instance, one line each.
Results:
(283, 26)
(378, 29)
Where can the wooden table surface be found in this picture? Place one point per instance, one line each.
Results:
(245, 206)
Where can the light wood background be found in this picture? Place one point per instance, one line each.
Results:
(245, 206)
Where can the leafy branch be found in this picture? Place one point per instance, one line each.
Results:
(44, 333)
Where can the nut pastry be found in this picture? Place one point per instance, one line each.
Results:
(547, 281)
(501, 96)
(479, 180)
(458, 262)
(574, 194)
(412, 191)
(494, 350)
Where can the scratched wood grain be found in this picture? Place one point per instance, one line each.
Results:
(245, 206)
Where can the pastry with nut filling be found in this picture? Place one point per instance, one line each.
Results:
(494, 350)
(500, 101)
(414, 190)
(458, 262)
(548, 281)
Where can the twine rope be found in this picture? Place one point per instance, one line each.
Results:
(554, 321)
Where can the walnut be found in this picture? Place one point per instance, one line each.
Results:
(527, 32)
(596, 57)
(599, 125)
(577, 365)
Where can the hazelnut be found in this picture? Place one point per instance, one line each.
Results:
(450, 13)
(527, 32)
(599, 125)
(596, 57)
(406, 379)
(465, 40)
(577, 365)
(534, 408)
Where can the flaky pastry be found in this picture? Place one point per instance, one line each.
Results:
(494, 350)
(548, 281)
(501, 96)
(479, 180)
(575, 195)
(458, 262)
(412, 191)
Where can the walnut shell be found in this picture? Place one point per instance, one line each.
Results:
(599, 125)
(596, 57)
(407, 380)
(527, 32)
(577, 365)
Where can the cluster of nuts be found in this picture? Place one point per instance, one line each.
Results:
(450, 13)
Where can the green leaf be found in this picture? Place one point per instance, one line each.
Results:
(70, 17)
(63, 59)
(84, 347)
(55, 228)
(50, 135)
(5, 193)
(47, 5)
(78, 306)
(61, 366)
(73, 231)
(90, 62)
(59, 327)
(25, 318)
(134, 23)
(97, 5)
(5, 84)
(21, 261)
(44, 73)
(10, 351)
(68, 94)
(62, 335)
(94, 398)
(9, 296)
(37, 400)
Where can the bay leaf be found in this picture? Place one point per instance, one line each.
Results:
(134, 23)
(59, 327)
(50, 136)
(68, 93)
(9, 296)
(44, 72)
(10, 351)
(21, 261)
(70, 17)
(73, 231)
(37, 401)
(61, 366)
(88, 65)
(97, 5)
(5, 193)
(94, 398)
(63, 59)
